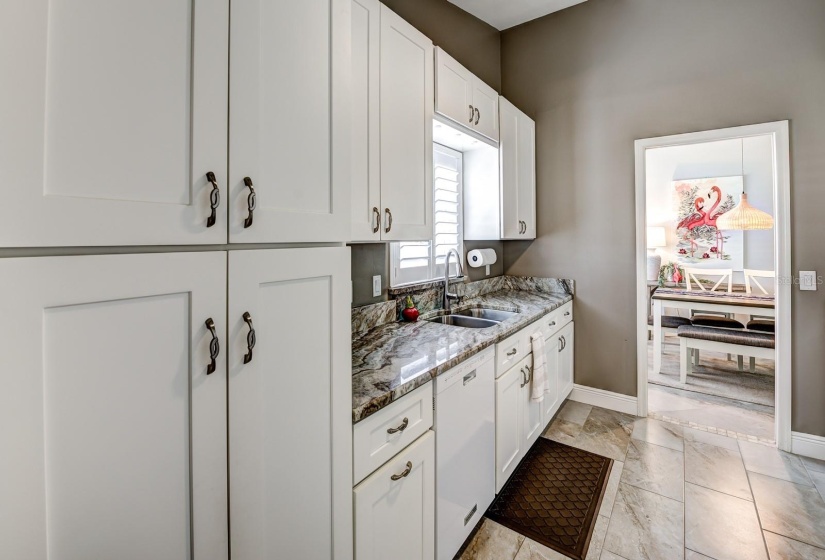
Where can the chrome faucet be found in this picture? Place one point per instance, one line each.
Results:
(447, 295)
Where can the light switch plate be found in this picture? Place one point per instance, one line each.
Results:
(807, 280)
(376, 286)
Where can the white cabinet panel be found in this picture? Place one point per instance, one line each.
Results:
(509, 425)
(108, 135)
(454, 89)
(290, 127)
(531, 416)
(485, 105)
(366, 142)
(566, 360)
(517, 147)
(119, 428)
(551, 363)
(395, 507)
(290, 405)
(406, 101)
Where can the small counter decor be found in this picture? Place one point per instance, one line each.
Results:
(410, 313)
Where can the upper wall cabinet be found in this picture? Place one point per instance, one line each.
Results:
(464, 98)
(517, 152)
(114, 122)
(392, 134)
(289, 130)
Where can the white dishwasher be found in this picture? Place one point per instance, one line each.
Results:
(465, 446)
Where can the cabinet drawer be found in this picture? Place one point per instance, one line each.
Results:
(556, 319)
(509, 352)
(376, 439)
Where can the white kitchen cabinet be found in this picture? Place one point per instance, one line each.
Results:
(511, 420)
(114, 432)
(290, 403)
(464, 98)
(109, 137)
(566, 360)
(551, 403)
(392, 154)
(517, 152)
(366, 139)
(395, 506)
(289, 131)
(532, 411)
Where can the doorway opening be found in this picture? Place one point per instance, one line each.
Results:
(713, 293)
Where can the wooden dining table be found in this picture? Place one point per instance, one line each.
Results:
(707, 301)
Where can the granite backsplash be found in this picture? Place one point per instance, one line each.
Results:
(429, 296)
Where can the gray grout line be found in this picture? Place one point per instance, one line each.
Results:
(755, 507)
(791, 539)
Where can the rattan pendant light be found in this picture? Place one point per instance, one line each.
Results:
(744, 216)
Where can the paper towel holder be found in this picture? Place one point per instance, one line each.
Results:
(482, 257)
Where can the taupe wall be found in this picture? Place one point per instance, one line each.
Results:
(469, 40)
(604, 73)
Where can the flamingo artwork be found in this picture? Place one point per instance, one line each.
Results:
(710, 219)
(693, 221)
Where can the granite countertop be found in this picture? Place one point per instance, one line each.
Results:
(393, 359)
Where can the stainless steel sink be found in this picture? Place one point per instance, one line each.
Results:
(491, 314)
(464, 321)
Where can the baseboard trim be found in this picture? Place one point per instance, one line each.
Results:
(808, 445)
(604, 399)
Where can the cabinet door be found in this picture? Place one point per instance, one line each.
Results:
(366, 142)
(290, 128)
(115, 430)
(526, 162)
(395, 507)
(113, 114)
(509, 441)
(406, 130)
(290, 403)
(453, 89)
(511, 226)
(551, 363)
(531, 415)
(566, 360)
(485, 104)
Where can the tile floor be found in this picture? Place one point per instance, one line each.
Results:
(676, 492)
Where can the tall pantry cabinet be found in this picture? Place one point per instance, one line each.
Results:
(175, 401)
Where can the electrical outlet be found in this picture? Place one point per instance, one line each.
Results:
(807, 280)
(376, 286)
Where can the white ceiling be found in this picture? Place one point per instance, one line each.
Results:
(503, 14)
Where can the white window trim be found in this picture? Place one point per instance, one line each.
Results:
(398, 279)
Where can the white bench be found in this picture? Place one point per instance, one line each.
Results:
(727, 341)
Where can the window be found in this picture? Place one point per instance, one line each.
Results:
(420, 261)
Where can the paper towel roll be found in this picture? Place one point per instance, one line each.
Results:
(481, 257)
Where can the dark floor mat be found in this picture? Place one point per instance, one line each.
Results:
(554, 496)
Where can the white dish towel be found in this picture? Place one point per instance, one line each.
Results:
(539, 378)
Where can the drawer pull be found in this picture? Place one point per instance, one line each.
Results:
(552, 323)
(567, 314)
(469, 377)
(470, 515)
(512, 352)
(401, 427)
(214, 347)
(404, 473)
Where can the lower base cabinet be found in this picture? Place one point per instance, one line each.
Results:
(566, 360)
(395, 506)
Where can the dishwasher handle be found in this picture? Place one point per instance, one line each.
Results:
(469, 377)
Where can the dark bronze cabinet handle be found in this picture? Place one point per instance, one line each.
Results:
(478, 115)
(566, 313)
(389, 220)
(401, 427)
(251, 201)
(471, 114)
(523, 378)
(250, 337)
(214, 347)
(404, 473)
(377, 219)
(529, 373)
(552, 323)
(214, 199)
(512, 352)
(561, 343)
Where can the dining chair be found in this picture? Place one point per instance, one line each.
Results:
(722, 273)
(759, 322)
(709, 319)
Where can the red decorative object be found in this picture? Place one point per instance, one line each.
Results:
(714, 249)
(683, 251)
(677, 277)
(705, 256)
(410, 313)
